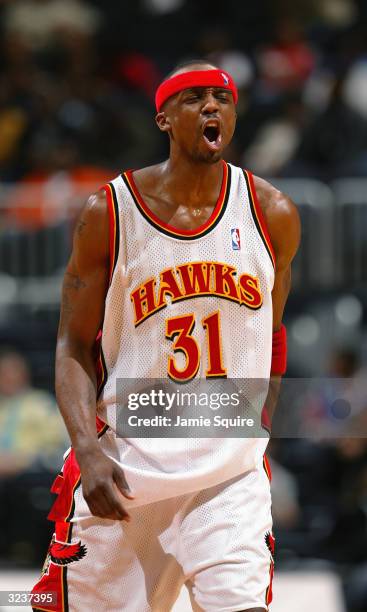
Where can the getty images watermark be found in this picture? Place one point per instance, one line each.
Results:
(200, 408)
(307, 408)
(171, 400)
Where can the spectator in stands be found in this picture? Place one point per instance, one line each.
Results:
(288, 62)
(277, 140)
(13, 125)
(32, 436)
(56, 188)
(37, 22)
(335, 142)
(30, 426)
(355, 86)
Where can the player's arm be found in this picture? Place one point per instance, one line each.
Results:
(283, 224)
(82, 309)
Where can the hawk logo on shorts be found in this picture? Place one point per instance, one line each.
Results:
(270, 543)
(62, 553)
(225, 78)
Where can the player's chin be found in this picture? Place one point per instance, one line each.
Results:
(209, 157)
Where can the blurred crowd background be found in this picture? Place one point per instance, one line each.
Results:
(77, 83)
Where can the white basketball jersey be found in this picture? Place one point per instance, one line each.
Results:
(186, 304)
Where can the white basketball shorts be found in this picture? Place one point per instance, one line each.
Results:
(218, 542)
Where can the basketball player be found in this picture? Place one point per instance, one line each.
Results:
(185, 268)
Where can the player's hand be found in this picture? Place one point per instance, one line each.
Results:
(103, 484)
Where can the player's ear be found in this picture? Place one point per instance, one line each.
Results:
(163, 122)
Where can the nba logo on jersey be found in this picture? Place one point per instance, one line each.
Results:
(225, 78)
(236, 242)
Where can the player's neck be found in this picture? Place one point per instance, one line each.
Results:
(190, 182)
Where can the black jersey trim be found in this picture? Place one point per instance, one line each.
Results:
(259, 222)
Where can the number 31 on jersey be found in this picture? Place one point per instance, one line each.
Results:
(180, 331)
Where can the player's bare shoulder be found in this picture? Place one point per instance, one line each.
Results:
(91, 235)
(87, 273)
(281, 217)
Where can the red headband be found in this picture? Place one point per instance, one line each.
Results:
(194, 78)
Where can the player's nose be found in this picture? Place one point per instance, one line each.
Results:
(210, 104)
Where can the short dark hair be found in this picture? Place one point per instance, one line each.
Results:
(188, 63)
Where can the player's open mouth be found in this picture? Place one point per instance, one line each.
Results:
(212, 136)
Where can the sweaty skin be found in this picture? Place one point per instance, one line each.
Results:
(181, 191)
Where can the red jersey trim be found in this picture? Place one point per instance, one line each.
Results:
(170, 229)
(113, 226)
(259, 215)
(114, 241)
(266, 466)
